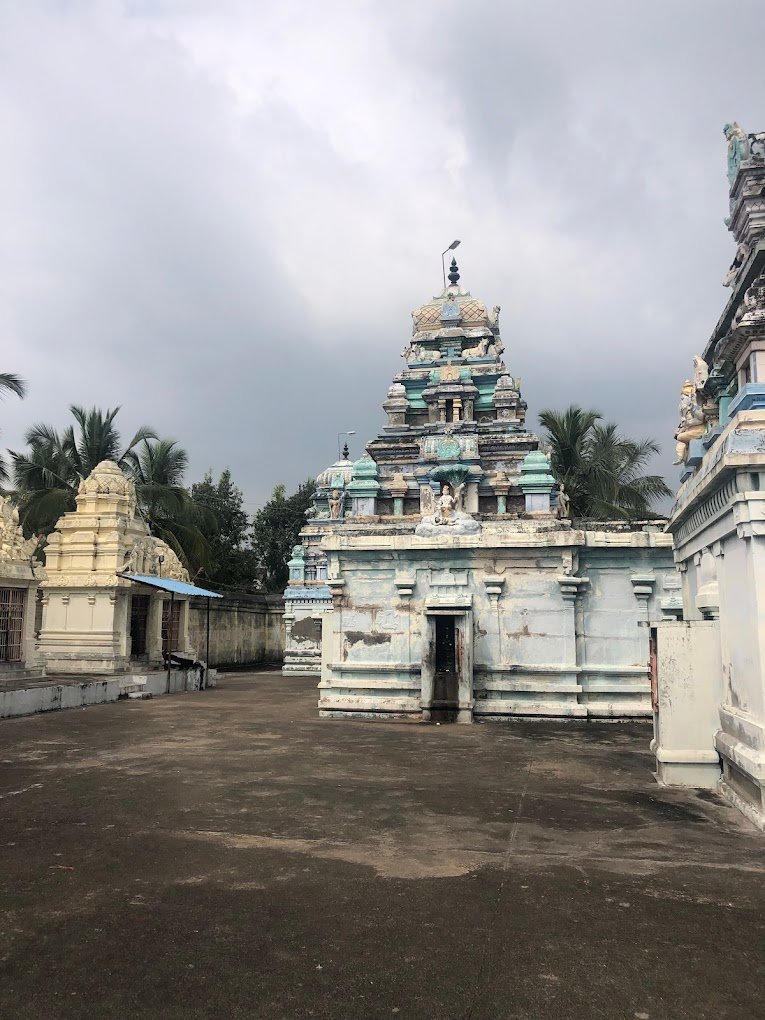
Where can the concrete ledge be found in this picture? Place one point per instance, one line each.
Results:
(31, 700)
(745, 806)
(746, 758)
(333, 713)
(701, 775)
(52, 697)
(353, 702)
(618, 711)
(506, 708)
(374, 667)
(372, 683)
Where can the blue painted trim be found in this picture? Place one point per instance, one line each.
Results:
(307, 593)
(750, 398)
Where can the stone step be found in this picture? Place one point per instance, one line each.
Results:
(11, 679)
(132, 686)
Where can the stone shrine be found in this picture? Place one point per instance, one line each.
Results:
(438, 576)
(93, 619)
(711, 668)
(20, 575)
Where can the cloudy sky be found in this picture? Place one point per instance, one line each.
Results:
(219, 215)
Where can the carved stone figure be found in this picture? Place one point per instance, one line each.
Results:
(752, 311)
(13, 545)
(700, 372)
(740, 257)
(416, 352)
(691, 421)
(738, 148)
(564, 504)
(335, 505)
(757, 145)
(445, 509)
(479, 351)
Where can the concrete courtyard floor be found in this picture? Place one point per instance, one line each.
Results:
(228, 854)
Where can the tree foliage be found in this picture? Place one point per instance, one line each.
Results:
(48, 474)
(10, 383)
(276, 529)
(601, 470)
(226, 528)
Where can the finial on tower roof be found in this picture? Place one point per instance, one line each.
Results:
(346, 451)
(454, 274)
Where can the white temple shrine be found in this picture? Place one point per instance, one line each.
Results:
(439, 577)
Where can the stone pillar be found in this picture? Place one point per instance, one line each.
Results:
(398, 488)
(154, 628)
(427, 499)
(501, 486)
(642, 586)
(572, 646)
(536, 482)
(364, 487)
(471, 496)
(331, 636)
(464, 633)
(183, 628)
(296, 565)
(689, 670)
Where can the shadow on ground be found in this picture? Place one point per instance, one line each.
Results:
(227, 854)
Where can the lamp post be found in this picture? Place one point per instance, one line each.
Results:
(339, 451)
(451, 247)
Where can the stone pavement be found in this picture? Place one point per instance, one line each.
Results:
(228, 854)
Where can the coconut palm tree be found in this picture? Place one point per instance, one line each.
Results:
(48, 476)
(601, 470)
(10, 383)
(157, 468)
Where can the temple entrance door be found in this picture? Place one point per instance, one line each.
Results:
(445, 704)
(139, 614)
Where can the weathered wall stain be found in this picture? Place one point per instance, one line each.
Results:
(354, 636)
(307, 629)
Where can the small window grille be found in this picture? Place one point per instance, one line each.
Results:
(11, 623)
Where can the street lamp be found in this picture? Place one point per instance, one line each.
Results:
(451, 247)
(351, 433)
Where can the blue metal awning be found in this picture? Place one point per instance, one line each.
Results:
(169, 584)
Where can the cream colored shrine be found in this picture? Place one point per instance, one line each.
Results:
(93, 619)
(439, 577)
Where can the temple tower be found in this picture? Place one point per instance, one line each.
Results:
(437, 576)
(711, 668)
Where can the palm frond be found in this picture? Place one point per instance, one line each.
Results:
(12, 383)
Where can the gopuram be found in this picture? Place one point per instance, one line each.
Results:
(439, 577)
(710, 716)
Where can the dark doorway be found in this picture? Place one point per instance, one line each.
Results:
(171, 626)
(446, 679)
(139, 614)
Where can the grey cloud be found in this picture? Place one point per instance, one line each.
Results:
(233, 270)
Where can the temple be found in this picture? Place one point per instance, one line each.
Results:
(710, 712)
(440, 577)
